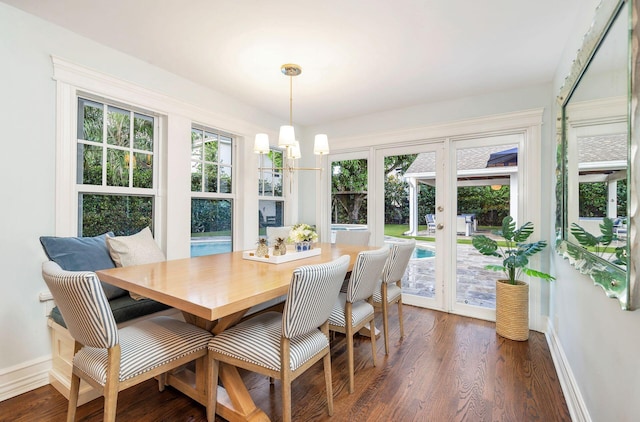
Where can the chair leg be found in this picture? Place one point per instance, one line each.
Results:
(212, 388)
(285, 373)
(73, 397)
(111, 386)
(162, 381)
(372, 327)
(385, 319)
(349, 335)
(327, 380)
(400, 318)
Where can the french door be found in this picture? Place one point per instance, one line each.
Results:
(455, 189)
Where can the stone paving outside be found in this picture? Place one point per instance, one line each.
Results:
(475, 285)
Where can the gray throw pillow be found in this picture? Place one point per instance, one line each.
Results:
(82, 254)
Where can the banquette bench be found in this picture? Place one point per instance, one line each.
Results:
(92, 254)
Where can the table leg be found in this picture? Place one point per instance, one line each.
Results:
(234, 401)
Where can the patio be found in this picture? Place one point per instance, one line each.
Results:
(475, 285)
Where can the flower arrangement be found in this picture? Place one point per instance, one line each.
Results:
(302, 233)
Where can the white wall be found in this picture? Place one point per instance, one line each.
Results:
(600, 342)
(27, 168)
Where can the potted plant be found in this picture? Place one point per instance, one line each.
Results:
(512, 294)
(303, 236)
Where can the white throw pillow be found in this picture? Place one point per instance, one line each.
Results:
(137, 249)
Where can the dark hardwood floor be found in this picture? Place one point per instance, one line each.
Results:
(448, 368)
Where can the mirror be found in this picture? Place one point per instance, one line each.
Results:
(594, 145)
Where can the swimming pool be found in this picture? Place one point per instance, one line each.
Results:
(210, 247)
(422, 252)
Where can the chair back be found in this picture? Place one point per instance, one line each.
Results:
(275, 232)
(83, 305)
(366, 273)
(312, 293)
(399, 256)
(353, 237)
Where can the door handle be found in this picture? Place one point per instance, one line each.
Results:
(440, 226)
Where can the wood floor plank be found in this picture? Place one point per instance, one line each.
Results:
(448, 368)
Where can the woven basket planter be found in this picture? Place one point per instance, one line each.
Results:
(512, 310)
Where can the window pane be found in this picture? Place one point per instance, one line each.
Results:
(265, 183)
(118, 127)
(196, 176)
(225, 150)
(349, 192)
(196, 144)
(269, 214)
(210, 178)
(123, 215)
(90, 120)
(225, 179)
(142, 170)
(117, 167)
(89, 164)
(143, 132)
(211, 147)
(211, 226)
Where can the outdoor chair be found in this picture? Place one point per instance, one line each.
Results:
(431, 223)
(283, 346)
(112, 359)
(389, 289)
(354, 309)
(353, 237)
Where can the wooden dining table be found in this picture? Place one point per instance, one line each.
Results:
(215, 292)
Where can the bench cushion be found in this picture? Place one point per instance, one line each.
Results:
(82, 254)
(124, 308)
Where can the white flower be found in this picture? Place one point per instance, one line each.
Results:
(302, 233)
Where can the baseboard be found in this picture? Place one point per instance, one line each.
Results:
(573, 397)
(24, 377)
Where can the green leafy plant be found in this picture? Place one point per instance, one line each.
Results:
(513, 251)
(600, 244)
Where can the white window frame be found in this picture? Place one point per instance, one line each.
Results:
(81, 188)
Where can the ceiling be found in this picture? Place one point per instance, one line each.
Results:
(357, 56)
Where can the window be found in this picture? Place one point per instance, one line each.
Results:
(271, 199)
(115, 168)
(212, 189)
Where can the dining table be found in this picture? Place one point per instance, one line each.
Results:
(215, 292)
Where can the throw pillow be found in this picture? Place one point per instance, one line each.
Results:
(82, 254)
(137, 249)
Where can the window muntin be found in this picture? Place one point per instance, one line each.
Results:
(270, 173)
(106, 155)
(211, 161)
(114, 176)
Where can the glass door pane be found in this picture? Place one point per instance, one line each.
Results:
(487, 191)
(411, 210)
(349, 195)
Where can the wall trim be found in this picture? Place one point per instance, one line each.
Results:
(24, 377)
(572, 395)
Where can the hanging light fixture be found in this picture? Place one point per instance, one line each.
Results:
(287, 137)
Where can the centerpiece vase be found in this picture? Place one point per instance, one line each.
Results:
(303, 246)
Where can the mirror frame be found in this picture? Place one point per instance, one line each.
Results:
(615, 281)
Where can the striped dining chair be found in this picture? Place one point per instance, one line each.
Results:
(389, 289)
(353, 309)
(283, 346)
(112, 359)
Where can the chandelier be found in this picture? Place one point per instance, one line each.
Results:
(287, 138)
